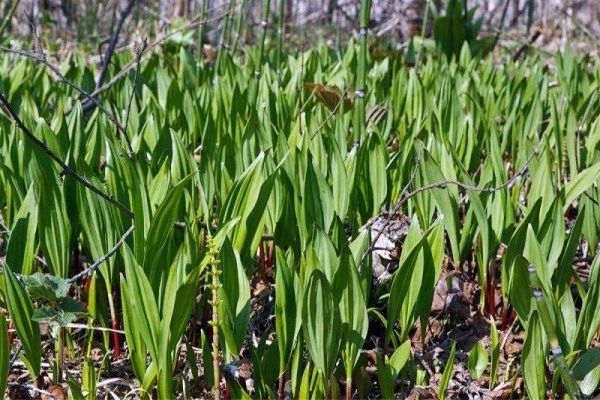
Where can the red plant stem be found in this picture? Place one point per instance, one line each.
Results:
(271, 254)
(503, 318)
(348, 390)
(281, 389)
(227, 391)
(491, 296)
(86, 287)
(11, 333)
(261, 259)
(116, 340)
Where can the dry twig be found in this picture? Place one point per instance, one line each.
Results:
(87, 106)
(89, 271)
(42, 60)
(66, 170)
(443, 184)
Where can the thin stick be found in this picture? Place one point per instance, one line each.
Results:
(123, 72)
(508, 184)
(61, 77)
(94, 328)
(442, 184)
(66, 170)
(138, 56)
(102, 260)
(111, 49)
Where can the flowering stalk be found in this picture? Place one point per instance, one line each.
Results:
(215, 286)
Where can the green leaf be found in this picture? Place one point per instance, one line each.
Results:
(447, 374)
(406, 294)
(478, 360)
(137, 346)
(234, 297)
(143, 305)
(247, 201)
(20, 251)
(353, 311)
(287, 324)
(317, 199)
(75, 391)
(46, 287)
(533, 362)
(162, 225)
(320, 317)
(21, 310)
(586, 363)
(495, 353)
(447, 202)
(54, 225)
(4, 354)
(389, 368)
(581, 183)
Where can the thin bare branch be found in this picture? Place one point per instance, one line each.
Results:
(61, 77)
(404, 191)
(508, 184)
(66, 170)
(89, 271)
(123, 72)
(138, 56)
(87, 106)
(404, 197)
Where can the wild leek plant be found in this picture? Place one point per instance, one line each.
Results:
(337, 223)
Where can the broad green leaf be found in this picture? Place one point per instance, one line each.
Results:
(54, 227)
(389, 368)
(320, 316)
(317, 200)
(287, 322)
(20, 252)
(478, 360)
(586, 363)
(234, 297)
(21, 311)
(137, 346)
(353, 311)
(581, 183)
(144, 309)
(447, 203)
(533, 362)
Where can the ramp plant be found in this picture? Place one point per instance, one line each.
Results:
(242, 231)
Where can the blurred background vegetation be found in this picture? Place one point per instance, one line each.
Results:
(546, 24)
